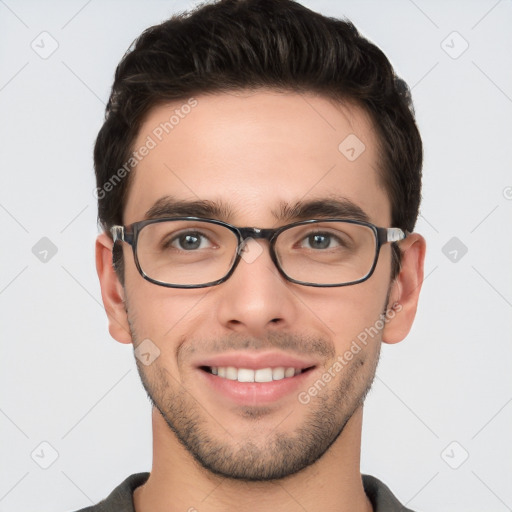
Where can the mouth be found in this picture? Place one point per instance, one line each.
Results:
(261, 375)
(253, 379)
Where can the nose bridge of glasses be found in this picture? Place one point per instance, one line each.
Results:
(249, 249)
(250, 252)
(257, 233)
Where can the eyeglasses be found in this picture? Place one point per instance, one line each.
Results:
(191, 252)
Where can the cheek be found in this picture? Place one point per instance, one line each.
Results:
(346, 312)
(159, 313)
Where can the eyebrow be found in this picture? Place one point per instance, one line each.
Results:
(169, 206)
(321, 208)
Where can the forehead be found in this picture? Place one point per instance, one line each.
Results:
(255, 153)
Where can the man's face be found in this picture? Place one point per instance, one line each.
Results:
(255, 152)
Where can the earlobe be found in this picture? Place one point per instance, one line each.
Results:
(405, 290)
(112, 292)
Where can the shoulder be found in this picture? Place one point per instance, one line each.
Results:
(121, 498)
(381, 497)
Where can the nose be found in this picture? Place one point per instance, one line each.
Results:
(256, 297)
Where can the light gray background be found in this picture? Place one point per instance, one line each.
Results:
(442, 394)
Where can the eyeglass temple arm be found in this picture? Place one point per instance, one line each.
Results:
(119, 233)
(390, 235)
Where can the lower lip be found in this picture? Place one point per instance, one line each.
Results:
(256, 393)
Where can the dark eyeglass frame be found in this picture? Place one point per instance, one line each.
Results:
(130, 235)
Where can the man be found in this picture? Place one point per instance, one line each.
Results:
(259, 176)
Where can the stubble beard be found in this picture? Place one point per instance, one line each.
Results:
(279, 454)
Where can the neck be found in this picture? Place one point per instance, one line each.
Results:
(178, 483)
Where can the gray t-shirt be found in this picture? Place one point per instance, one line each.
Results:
(121, 498)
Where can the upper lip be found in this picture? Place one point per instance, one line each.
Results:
(257, 360)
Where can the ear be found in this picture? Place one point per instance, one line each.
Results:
(405, 289)
(112, 292)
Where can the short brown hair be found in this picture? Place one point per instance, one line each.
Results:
(245, 44)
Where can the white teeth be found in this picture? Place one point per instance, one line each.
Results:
(263, 375)
(259, 375)
(231, 373)
(245, 375)
(278, 373)
(289, 372)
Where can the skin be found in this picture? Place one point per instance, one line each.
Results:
(255, 150)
